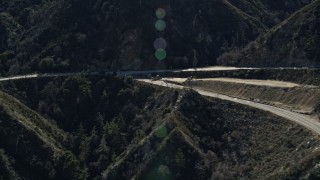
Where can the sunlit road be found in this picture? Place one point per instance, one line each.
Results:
(34, 76)
(18, 77)
(122, 73)
(303, 120)
(134, 73)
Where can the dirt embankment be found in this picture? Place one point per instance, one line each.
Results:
(305, 76)
(304, 99)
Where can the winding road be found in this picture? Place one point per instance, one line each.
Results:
(301, 119)
(304, 120)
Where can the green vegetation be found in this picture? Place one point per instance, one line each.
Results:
(179, 158)
(69, 168)
(70, 35)
(268, 11)
(7, 172)
(105, 125)
(109, 128)
(295, 42)
(133, 130)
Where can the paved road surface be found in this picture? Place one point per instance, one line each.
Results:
(33, 76)
(132, 73)
(303, 120)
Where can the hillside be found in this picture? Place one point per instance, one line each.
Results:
(294, 42)
(270, 12)
(296, 97)
(65, 117)
(121, 129)
(79, 35)
(70, 35)
(76, 35)
(31, 147)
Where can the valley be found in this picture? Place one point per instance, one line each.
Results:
(159, 90)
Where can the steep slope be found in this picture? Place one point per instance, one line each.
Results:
(30, 146)
(123, 129)
(270, 12)
(294, 42)
(199, 140)
(76, 35)
(104, 120)
(236, 134)
(79, 35)
(303, 99)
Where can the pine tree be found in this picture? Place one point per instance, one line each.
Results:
(179, 159)
(81, 133)
(114, 157)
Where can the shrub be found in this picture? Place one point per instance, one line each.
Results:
(46, 65)
(179, 159)
(69, 167)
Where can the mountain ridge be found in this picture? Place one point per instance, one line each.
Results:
(293, 42)
(70, 35)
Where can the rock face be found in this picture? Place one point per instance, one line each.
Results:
(294, 42)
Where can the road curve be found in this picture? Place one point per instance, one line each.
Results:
(303, 120)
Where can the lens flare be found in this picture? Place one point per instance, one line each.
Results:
(160, 13)
(160, 43)
(160, 25)
(161, 54)
(161, 132)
